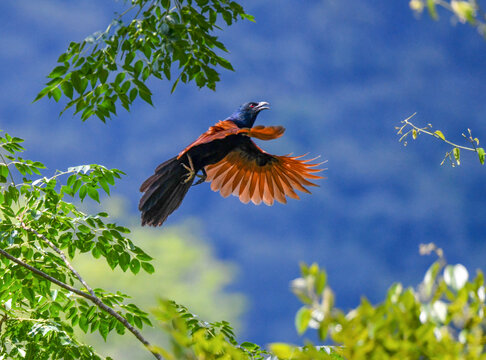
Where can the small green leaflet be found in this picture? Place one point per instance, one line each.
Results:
(481, 155)
(302, 319)
(439, 134)
(457, 155)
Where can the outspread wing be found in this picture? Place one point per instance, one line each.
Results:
(226, 128)
(263, 132)
(254, 175)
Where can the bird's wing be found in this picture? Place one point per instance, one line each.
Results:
(263, 132)
(254, 175)
(226, 128)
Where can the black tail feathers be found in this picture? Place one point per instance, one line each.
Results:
(163, 192)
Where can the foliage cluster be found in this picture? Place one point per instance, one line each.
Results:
(111, 67)
(42, 296)
(468, 11)
(443, 318)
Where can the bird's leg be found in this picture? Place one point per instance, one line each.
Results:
(202, 178)
(191, 172)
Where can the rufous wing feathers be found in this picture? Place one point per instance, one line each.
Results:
(262, 177)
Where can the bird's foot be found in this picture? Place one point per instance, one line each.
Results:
(191, 172)
(202, 178)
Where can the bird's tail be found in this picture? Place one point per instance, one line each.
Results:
(163, 192)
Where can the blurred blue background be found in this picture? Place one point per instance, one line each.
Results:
(340, 75)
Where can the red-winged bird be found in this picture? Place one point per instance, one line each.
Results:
(232, 162)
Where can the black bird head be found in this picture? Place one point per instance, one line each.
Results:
(247, 113)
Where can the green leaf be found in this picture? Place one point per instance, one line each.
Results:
(125, 87)
(143, 256)
(225, 63)
(119, 78)
(320, 282)
(430, 278)
(84, 85)
(103, 75)
(457, 155)
(4, 170)
(56, 94)
(302, 319)
(138, 322)
(93, 194)
(124, 261)
(432, 9)
(42, 93)
(439, 134)
(84, 229)
(76, 81)
(67, 89)
(464, 10)
(146, 97)
(129, 58)
(83, 191)
(83, 323)
(282, 350)
(174, 85)
(104, 329)
(148, 267)
(138, 67)
(481, 155)
(133, 94)
(146, 73)
(104, 185)
(135, 266)
(58, 71)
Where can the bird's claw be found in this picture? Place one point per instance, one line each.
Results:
(202, 178)
(191, 173)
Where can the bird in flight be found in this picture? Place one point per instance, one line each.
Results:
(226, 156)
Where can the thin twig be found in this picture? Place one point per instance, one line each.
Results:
(90, 297)
(444, 4)
(419, 130)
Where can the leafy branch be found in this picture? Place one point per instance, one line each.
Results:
(443, 317)
(193, 338)
(38, 231)
(464, 11)
(453, 155)
(92, 297)
(111, 67)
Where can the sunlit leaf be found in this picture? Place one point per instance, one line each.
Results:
(481, 155)
(456, 276)
(432, 9)
(302, 319)
(282, 350)
(457, 155)
(439, 134)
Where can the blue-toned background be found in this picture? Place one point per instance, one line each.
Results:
(340, 75)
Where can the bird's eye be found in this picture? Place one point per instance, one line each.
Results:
(252, 105)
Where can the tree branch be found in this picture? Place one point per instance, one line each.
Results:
(90, 297)
(424, 130)
(61, 254)
(453, 155)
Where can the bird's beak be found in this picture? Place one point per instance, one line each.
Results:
(263, 105)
